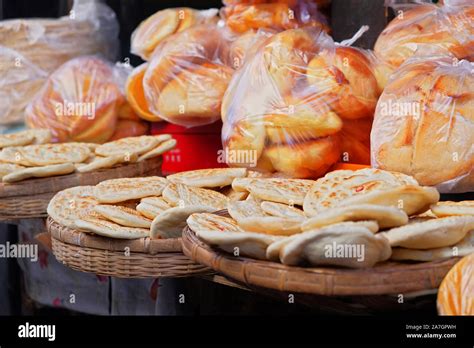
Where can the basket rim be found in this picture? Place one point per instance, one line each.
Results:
(378, 280)
(54, 184)
(82, 239)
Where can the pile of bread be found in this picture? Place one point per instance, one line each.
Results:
(191, 57)
(31, 49)
(29, 154)
(314, 105)
(82, 101)
(154, 207)
(384, 215)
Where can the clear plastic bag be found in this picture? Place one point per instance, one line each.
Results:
(426, 30)
(31, 49)
(79, 102)
(275, 15)
(188, 75)
(165, 23)
(424, 123)
(299, 104)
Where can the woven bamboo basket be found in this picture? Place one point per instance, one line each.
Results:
(387, 278)
(139, 258)
(30, 198)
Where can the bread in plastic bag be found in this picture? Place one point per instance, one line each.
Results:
(427, 29)
(456, 292)
(319, 3)
(188, 75)
(79, 102)
(278, 16)
(31, 49)
(163, 24)
(299, 104)
(424, 123)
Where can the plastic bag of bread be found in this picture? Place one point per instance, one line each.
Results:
(427, 29)
(299, 104)
(424, 123)
(278, 15)
(79, 102)
(31, 49)
(163, 24)
(456, 292)
(188, 75)
(319, 3)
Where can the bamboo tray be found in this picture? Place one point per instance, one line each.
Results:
(388, 278)
(30, 198)
(138, 258)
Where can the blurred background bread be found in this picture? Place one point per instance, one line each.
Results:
(424, 123)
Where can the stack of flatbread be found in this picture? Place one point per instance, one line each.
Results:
(347, 218)
(27, 155)
(130, 208)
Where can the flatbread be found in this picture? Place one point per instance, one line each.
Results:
(46, 154)
(208, 177)
(123, 216)
(148, 210)
(386, 217)
(242, 209)
(110, 229)
(274, 225)
(159, 150)
(212, 222)
(70, 204)
(337, 186)
(171, 222)
(224, 234)
(159, 202)
(463, 248)
(273, 251)
(105, 162)
(447, 208)
(287, 191)
(183, 195)
(41, 136)
(354, 247)
(281, 210)
(16, 139)
(39, 172)
(124, 189)
(7, 168)
(430, 234)
(242, 184)
(128, 146)
(14, 155)
(233, 195)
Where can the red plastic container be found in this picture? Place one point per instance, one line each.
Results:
(197, 147)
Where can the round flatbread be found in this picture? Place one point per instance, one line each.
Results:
(337, 245)
(281, 210)
(171, 222)
(443, 209)
(148, 210)
(208, 177)
(386, 217)
(430, 234)
(280, 190)
(46, 154)
(242, 209)
(69, 205)
(123, 216)
(463, 248)
(102, 227)
(105, 162)
(39, 172)
(7, 168)
(16, 139)
(337, 186)
(159, 150)
(128, 146)
(159, 202)
(124, 189)
(183, 195)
